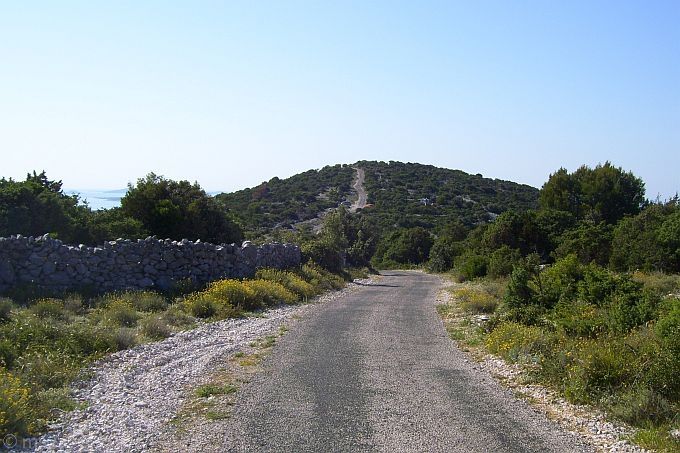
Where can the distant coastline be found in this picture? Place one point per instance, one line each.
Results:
(99, 199)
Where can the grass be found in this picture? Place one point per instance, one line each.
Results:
(208, 390)
(657, 439)
(47, 340)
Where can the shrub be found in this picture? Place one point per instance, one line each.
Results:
(43, 368)
(517, 342)
(125, 338)
(176, 317)
(43, 404)
(320, 278)
(74, 304)
(638, 406)
(155, 328)
(6, 307)
(146, 301)
(578, 318)
(658, 282)
(476, 300)
(84, 339)
(232, 292)
(14, 405)
(49, 309)
(201, 305)
(270, 293)
(8, 353)
(502, 261)
(600, 367)
(120, 313)
(289, 280)
(471, 266)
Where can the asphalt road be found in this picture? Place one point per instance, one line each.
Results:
(375, 371)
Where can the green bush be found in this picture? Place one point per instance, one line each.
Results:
(289, 280)
(640, 405)
(600, 367)
(120, 313)
(470, 266)
(232, 292)
(476, 300)
(320, 278)
(270, 293)
(155, 328)
(125, 338)
(145, 301)
(519, 343)
(502, 261)
(74, 305)
(658, 282)
(6, 307)
(14, 405)
(49, 309)
(42, 367)
(176, 317)
(201, 305)
(45, 403)
(578, 318)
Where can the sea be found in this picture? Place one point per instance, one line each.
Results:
(104, 199)
(99, 199)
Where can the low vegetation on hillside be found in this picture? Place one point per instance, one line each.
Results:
(282, 203)
(407, 195)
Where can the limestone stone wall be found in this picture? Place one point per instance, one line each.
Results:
(125, 264)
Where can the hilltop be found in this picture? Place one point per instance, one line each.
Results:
(398, 194)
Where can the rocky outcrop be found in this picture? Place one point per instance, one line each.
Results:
(127, 264)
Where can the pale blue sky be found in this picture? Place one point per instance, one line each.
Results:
(231, 94)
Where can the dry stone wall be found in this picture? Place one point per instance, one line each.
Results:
(125, 264)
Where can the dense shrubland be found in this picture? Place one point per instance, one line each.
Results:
(45, 343)
(590, 296)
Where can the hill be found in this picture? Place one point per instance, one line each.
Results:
(399, 194)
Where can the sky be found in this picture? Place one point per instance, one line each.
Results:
(230, 94)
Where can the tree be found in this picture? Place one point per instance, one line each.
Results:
(601, 194)
(37, 206)
(589, 241)
(408, 246)
(648, 240)
(178, 210)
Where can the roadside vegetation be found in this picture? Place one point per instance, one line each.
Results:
(584, 292)
(47, 343)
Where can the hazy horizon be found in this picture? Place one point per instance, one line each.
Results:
(230, 95)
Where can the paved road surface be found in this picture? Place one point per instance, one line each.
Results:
(375, 371)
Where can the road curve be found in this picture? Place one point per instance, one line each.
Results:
(375, 371)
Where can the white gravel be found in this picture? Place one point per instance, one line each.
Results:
(133, 394)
